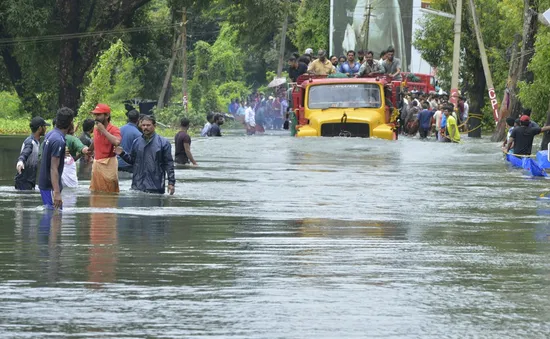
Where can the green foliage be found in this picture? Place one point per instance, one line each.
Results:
(311, 28)
(231, 44)
(227, 59)
(10, 106)
(14, 126)
(152, 46)
(231, 90)
(173, 114)
(537, 94)
(499, 21)
(201, 88)
(218, 73)
(113, 79)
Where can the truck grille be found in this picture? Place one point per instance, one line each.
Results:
(345, 130)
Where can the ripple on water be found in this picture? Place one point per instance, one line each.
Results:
(278, 237)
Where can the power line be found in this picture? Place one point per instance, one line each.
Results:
(59, 37)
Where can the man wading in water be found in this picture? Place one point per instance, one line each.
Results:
(521, 138)
(27, 163)
(52, 164)
(182, 141)
(151, 156)
(105, 166)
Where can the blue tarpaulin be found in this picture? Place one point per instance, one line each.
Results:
(514, 161)
(534, 168)
(542, 159)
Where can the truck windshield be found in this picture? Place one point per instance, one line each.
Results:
(344, 95)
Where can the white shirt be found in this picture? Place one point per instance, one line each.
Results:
(68, 177)
(437, 116)
(206, 129)
(250, 117)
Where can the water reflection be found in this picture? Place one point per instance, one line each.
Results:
(49, 243)
(103, 256)
(304, 238)
(542, 232)
(349, 228)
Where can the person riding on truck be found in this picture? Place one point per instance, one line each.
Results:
(321, 66)
(392, 65)
(371, 67)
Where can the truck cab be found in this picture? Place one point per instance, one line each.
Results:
(365, 107)
(350, 107)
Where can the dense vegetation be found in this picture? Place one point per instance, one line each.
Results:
(76, 53)
(502, 24)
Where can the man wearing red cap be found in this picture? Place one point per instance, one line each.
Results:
(522, 136)
(106, 138)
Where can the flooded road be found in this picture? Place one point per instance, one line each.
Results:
(275, 237)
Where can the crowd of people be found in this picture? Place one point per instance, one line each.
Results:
(432, 115)
(362, 63)
(259, 112)
(135, 148)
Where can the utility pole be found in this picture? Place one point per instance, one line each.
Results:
(456, 53)
(369, 9)
(485, 62)
(283, 43)
(168, 76)
(175, 48)
(366, 27)
(452, 6)
(184, 57)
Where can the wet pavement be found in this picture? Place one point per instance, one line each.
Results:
(276, 237)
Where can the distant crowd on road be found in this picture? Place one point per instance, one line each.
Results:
(134, 148)
(259, 113)
(432, 115)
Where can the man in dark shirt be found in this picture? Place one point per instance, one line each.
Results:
(183, 145)
(522, 136)
(295, 69)
(425, 121)
(215, 130)
(53, 155)
(27, 163)
(151, 156)
(87, 130)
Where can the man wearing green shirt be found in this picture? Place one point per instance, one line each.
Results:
(75, 149)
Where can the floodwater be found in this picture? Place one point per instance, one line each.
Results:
(276, 237)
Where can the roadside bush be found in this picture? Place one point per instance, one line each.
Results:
(172, 115)
(10, 106)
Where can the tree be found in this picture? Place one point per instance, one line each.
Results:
(113, 79)
(77, 56)
(311, 29)
(26, 18)
(78, 27)
(497, 20)
(520, 70)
